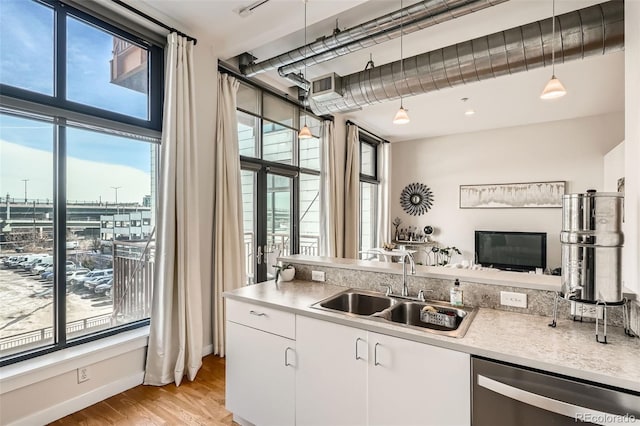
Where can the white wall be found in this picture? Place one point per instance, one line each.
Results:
(569, 150)
(631, 251)
(613, 168)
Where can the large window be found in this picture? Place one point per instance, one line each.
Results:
(369, 183)
(280, 180)
(79, 129)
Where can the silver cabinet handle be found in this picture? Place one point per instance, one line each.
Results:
(357, 340)
(550, 404)
(258, 314)
(286, 358)
(375, 354)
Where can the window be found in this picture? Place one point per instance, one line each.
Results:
(280, 180)
(79, 133)
(369, 183)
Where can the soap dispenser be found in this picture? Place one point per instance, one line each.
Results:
(456, 294)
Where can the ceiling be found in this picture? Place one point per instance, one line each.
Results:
(595, 85)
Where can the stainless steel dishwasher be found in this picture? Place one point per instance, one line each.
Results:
(508, 395)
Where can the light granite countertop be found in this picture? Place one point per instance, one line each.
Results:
(570, 349)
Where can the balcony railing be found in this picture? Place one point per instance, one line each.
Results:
(132, 280)
(277, 243)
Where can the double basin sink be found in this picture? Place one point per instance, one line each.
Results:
(407, 313)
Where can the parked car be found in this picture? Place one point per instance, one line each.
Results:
(96, 273)
(71, 245)
(103, 287)
(93, 283)
(47, 274)
(73, 275)
(8, 260)
(44, 263)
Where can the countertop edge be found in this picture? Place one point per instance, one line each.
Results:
(446, 342)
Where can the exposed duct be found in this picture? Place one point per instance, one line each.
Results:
(594, 30)
(416, 17)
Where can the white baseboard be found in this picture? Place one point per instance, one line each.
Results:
(65, 408)
(207, 350)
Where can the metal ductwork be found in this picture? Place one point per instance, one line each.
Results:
(594, 30)
(413, 18)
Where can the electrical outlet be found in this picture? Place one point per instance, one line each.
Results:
(518, 300)
(83, 374)
(318, 276)
(584, 310)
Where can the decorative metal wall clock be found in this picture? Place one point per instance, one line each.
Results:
(416, 199)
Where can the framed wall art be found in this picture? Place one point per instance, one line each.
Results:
(512, 195)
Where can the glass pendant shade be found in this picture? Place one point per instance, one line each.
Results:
(305, 133)
(554, 89)
(401, 116)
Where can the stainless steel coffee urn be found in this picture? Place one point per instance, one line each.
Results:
(592, 241)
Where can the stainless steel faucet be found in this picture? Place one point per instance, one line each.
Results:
(405, 256)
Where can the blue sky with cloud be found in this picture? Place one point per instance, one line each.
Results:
(26, 61)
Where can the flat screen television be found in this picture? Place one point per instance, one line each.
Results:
(511, 251)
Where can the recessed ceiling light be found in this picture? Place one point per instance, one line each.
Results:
(469, 112)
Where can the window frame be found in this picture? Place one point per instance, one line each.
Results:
(366, 139)
(261, 166)
(58, 99)
(65, 114)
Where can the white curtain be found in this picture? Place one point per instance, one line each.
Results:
(228, 244)
(331, 195)
(383, 224)
(176, 337)
(352, 194)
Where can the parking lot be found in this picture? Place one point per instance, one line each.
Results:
(27, 303)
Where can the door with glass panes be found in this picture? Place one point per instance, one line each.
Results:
(268, 209)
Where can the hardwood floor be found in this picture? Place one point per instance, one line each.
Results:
(200, 402)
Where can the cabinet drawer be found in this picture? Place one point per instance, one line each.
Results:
(262, 318)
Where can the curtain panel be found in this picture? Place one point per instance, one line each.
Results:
(176, 335)
(383, 225)
(332, 195)
(352, 194)
(228, 243)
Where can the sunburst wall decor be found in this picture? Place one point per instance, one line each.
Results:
(416, 199)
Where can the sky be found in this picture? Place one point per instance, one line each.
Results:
(26, 61)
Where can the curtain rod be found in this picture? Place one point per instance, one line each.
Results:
(154, 20)
(366, 131)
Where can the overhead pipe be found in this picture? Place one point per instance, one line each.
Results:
(413, 18)
(594, 30)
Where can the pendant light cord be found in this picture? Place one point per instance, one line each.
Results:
(553, 38)
(401, 50)
(306, 93)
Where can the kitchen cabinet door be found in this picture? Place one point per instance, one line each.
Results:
(331, 376)
(413, 383)
(260, 380)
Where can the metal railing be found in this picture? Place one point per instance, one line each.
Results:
(309, 245)
(133, 277)
(37, 336)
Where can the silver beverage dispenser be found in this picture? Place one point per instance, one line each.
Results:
(592, 241)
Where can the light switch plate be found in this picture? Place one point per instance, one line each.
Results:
(518, 300)
(318, 276)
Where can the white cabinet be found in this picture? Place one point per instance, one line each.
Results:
(331, 377)
(413, 383)
(348, 376)
(260, 365)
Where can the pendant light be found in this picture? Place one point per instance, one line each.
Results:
(402, 117)
(305, 133)
(554, 88)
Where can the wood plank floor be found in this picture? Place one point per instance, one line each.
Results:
(200, 402)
